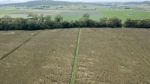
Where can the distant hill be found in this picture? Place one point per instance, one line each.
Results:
(44, 2)
(51, 3)
(36, 3)
(139, 3)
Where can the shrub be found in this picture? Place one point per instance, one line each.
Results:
(45, 22)
(102, 22)
(114, 22)
(130, 23)
(137, 23)
(58, 18)
(67, 24)
(144, 23)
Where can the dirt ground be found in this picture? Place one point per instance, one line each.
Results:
(46, 59)
(106, 56)
(114, 56)
(11, 39)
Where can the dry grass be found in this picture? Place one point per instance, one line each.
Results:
(46, 59)
(11, 39)
(114, 56)
(106, 56)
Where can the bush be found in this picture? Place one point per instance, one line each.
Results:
(45, 22)
(77, 23)
(67, 24)
(145, 23)
(102, 22)
(114, 22)
(137, 23)
(130, 23)
(58, 18)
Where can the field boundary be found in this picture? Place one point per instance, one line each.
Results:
(75, 60)
(13, 50)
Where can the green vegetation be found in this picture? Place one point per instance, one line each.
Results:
(75, 60)
(49, 14)
(137, 23)
(45, 22)
(57, 52)
(70, 12)
(36, 22)
(124, 14)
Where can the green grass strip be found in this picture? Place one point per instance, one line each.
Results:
(75, 60)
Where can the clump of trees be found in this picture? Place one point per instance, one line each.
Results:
(38, 22)
(111, 22)
(137, 23)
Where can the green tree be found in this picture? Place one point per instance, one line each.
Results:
(102, 22)
(58, 18)
(114, 22)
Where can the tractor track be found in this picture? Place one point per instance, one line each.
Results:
(13, 50)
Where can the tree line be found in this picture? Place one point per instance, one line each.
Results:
(39, 22)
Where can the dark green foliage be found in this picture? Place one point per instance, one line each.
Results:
(35, 22)
(58, 18)
(137, 23)
(111, 22)
(130, 23)
(145, 23)
(85, 21)
(90, 23)
(102, 22)
(76, 23)
(67, 24)
(114, 22)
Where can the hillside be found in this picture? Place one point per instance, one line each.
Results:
(138, 3)
(45, 3)
(37, 3)
(52, 3)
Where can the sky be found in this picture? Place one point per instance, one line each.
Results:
(15, 1)
(104, 0)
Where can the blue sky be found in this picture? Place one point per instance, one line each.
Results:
(14, 1)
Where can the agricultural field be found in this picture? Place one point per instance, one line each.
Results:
(10, 40)
(88, 56)
(124, 14)
(114, 56)
(76, 12)
(45, 59)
